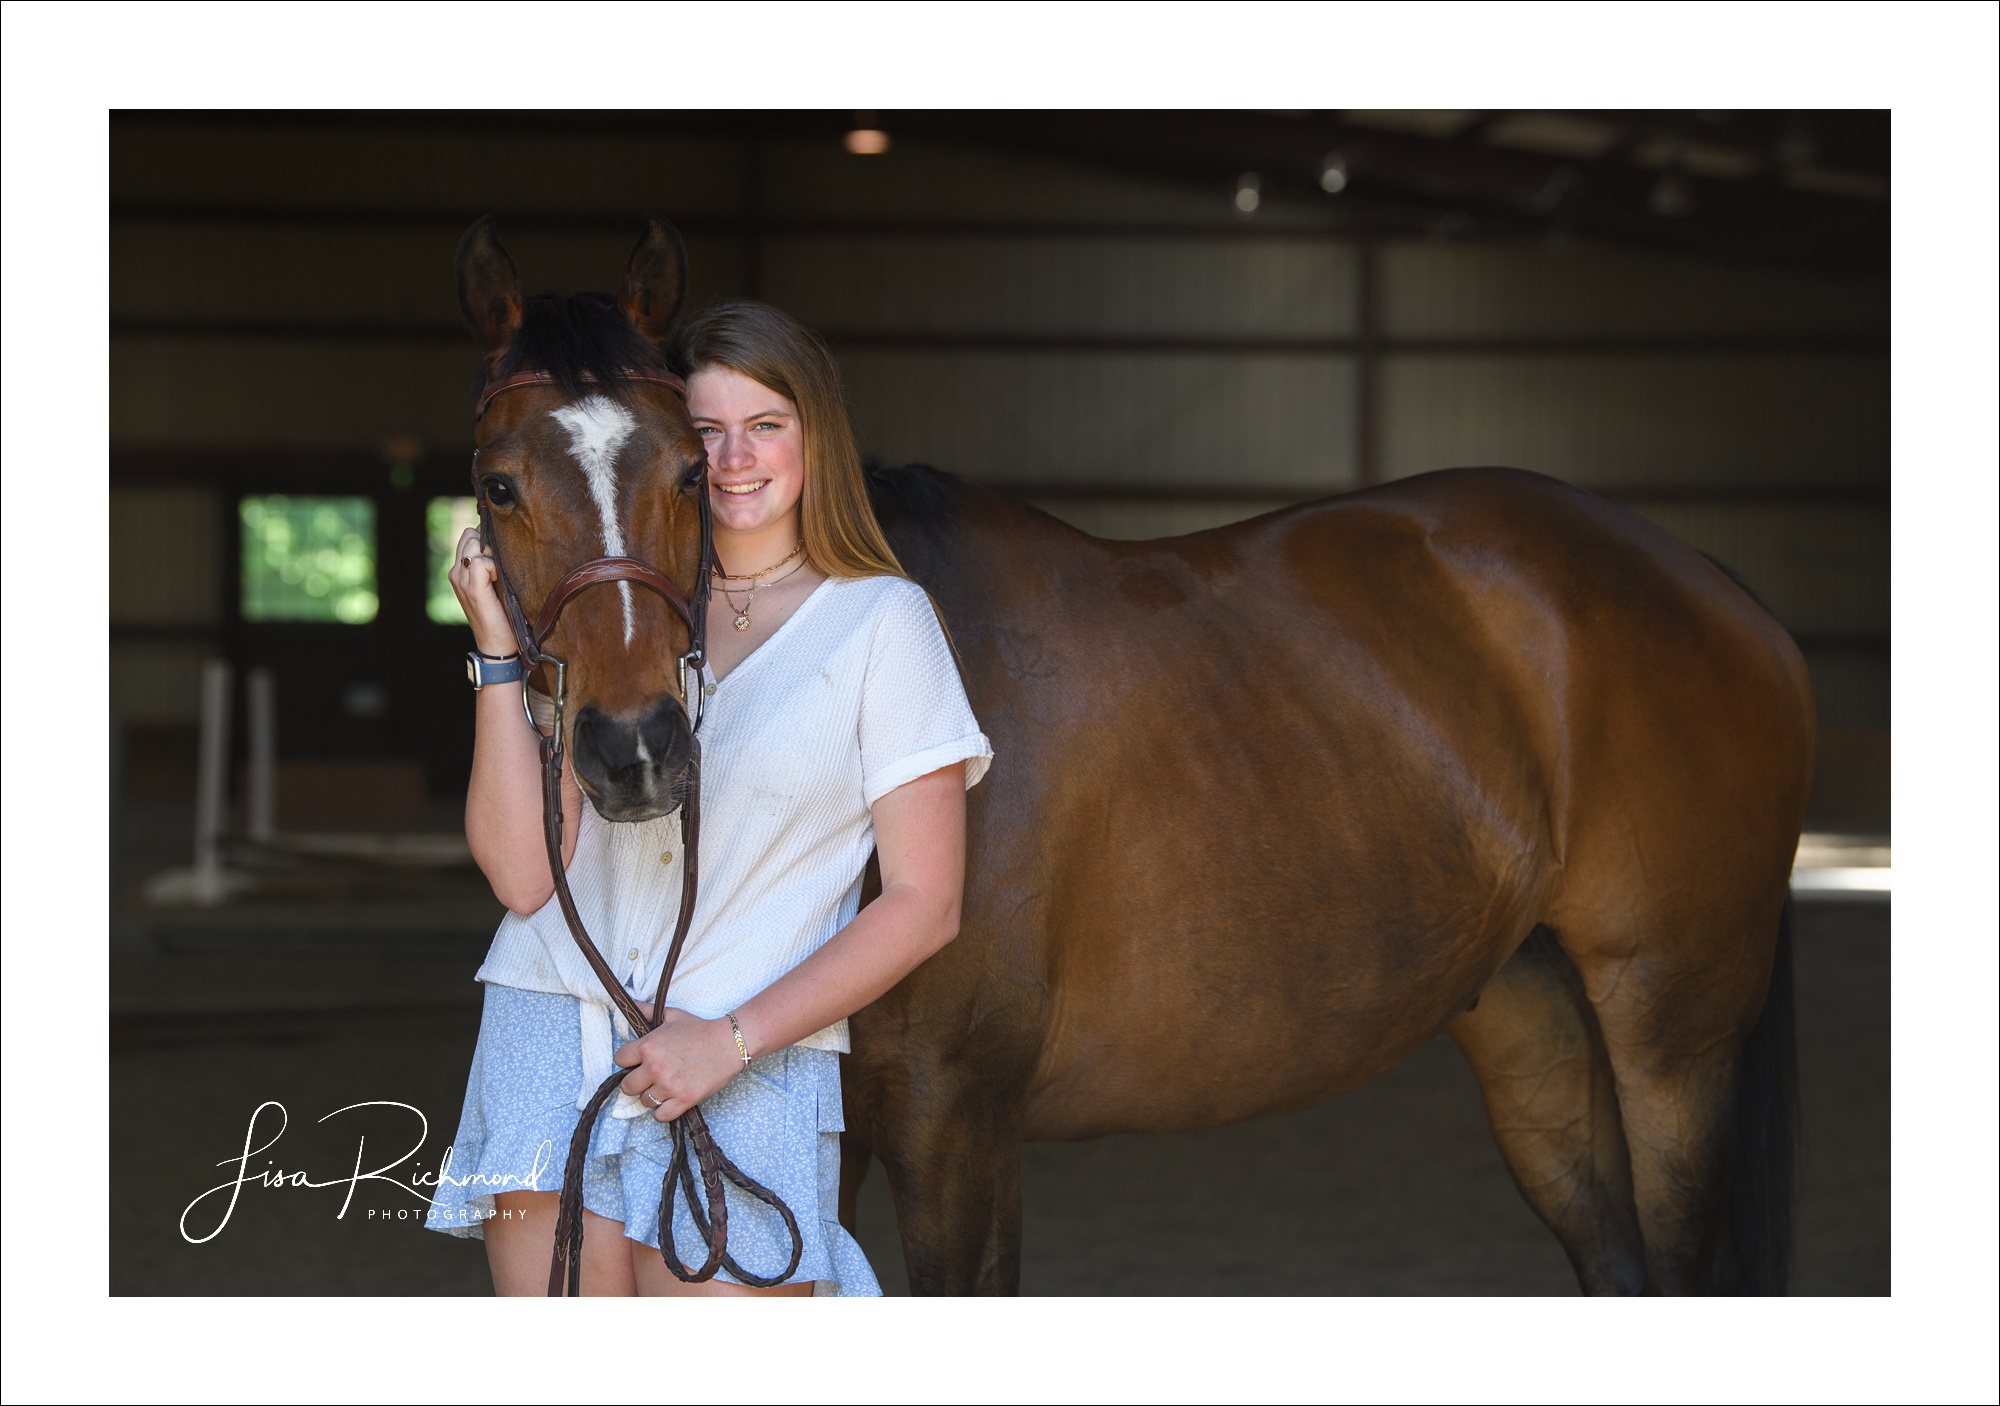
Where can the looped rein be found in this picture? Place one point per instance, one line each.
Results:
(691, 1128)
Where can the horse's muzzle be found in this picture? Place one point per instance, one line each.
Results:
(632, 768)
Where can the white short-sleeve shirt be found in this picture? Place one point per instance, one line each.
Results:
(852, 696)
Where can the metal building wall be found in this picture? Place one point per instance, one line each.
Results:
(1746, 410)
(1135, 355)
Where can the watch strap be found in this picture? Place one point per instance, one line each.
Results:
(483, 671)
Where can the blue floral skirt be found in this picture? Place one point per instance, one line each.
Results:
(779, 1121)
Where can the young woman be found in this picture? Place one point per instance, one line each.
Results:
(835, 724)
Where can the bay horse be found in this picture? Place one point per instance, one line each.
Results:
(1272, 806)
(1275, 804)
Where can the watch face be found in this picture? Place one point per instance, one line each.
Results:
(472, 670)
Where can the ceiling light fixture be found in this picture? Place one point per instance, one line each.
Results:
(866, 139)
(1333, 173)
(1249, 192)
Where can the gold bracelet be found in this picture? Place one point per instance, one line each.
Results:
(741, 1048)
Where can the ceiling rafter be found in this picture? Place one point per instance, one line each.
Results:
(1811, 194)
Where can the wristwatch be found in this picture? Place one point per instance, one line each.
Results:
(483, 670)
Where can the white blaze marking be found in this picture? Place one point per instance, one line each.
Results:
(598, 429)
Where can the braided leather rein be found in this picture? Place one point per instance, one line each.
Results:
(566, 1264)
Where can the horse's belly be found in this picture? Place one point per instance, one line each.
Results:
(1208, 1074)
(1282, 930)
(1254, 1018)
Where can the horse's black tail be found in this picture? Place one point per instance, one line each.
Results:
(1758, 1256)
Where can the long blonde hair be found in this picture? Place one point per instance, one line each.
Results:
(842, 536)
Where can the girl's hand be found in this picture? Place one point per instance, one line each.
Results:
(679, 1064)
(475, 580)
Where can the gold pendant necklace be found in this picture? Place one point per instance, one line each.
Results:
(742, 620)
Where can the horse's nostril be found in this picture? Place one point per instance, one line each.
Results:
(596, 741)
(632, 752)
(664, 730)
(604, 747)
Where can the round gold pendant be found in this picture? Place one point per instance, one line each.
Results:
(742, 622)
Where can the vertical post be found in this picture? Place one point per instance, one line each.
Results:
(212, 780)
(263, 720)
(1367, 365)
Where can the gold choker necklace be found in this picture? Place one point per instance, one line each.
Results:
(717, 571)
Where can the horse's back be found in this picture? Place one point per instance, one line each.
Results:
(1622, 656)
(1588, 566)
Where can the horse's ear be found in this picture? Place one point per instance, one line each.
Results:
(489, 287)
(655, 280)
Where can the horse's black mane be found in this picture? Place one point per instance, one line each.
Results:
(924, 496)
(579, 338)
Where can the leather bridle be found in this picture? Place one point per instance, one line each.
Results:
(566, 1265)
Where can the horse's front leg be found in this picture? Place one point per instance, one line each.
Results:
(936, 1087)
(952, 1151)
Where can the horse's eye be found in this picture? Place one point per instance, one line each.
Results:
(693, 474)
(499, 492)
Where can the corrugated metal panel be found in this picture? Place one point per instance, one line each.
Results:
(1642, 420)
(157, 682)
(1089, 286)
(170, 391)
(1142, 420)
(1457, 290)
(1823, 568)
(166, 557)
(374, 168)
(216, 270)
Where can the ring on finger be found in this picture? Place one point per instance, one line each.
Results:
(647, 1098)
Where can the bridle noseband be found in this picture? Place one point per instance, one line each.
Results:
(566, 1265)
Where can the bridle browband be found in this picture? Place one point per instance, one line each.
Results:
(493, 390)
(566, 1265)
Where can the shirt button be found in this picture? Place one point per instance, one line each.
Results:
(667, 857)
(633, 955)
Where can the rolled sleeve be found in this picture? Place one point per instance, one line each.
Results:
(975, 750)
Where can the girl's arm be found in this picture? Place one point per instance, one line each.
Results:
(503, 806)
(920, 843)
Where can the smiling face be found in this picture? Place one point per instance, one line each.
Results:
(756, 456)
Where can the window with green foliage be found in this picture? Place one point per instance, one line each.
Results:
(308, 558)
(444, 520)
